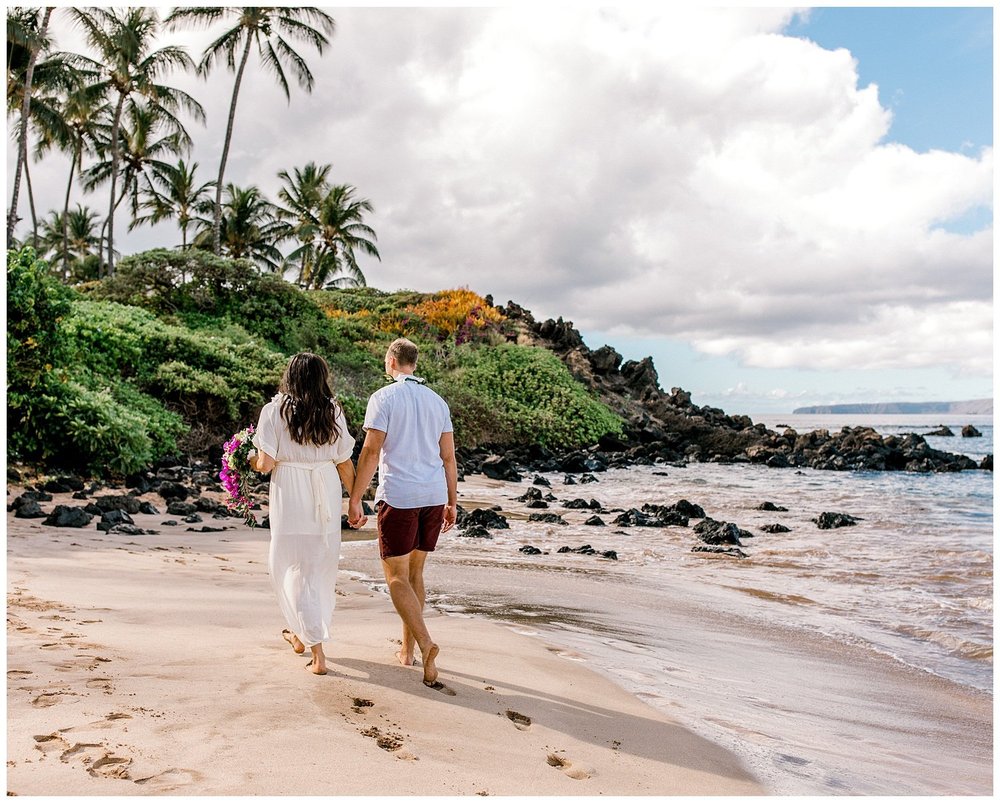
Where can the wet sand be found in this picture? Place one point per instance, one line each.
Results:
(154, 664)
(809, 714)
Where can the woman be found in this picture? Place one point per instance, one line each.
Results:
(302, 436)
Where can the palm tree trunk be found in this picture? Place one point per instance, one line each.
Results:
(31, 206)
(110, 223)
(69, 189)
(217, 223)
(22, 146)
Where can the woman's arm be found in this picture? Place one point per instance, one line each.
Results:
(346, 472)
(262, 461)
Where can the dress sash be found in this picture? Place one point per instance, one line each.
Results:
(320, 501)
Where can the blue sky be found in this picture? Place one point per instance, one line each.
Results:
(723, 189)
(934, 71)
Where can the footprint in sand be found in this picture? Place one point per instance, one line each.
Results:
(575, 772)
(521, 722)
(387, 741)
(170, 779)
(50, 698)
(110, 766)
(104, 684)
(18, 674)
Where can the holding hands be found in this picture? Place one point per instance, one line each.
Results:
(355, 515)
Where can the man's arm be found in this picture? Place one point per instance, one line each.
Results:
(367, 464)
(447, 446)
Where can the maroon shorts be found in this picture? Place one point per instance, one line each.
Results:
(403, 529)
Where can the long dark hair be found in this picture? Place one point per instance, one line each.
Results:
(308, 406)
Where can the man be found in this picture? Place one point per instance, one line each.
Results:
(409, 438)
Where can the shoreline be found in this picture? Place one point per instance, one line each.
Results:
(768, 692)
(112, 691)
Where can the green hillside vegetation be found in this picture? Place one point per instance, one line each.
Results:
(180, 348)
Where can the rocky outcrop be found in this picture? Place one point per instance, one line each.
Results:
(669, 428)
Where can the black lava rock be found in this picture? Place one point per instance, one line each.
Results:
(65, 516)
(719, 550)
(775, 528)
(831, 521)
(595, 521)
(588, 478)
(148, 508)
(500, 468)
(610, 555)
(29, 509)
(127, 529)
(969, 431)
(527, 549)
(194, 518)
(547, 518)
(531, 495)
(940, 432)
(770, 506)
(172, 490)
(125, 502)
(475, 531)
(112, 518)
(205, 505)
(582, 504)
(484, 517)
(169, 523)
(178, 508)
(720, 532)
(537, 503)
(569, 480)
(540, 480)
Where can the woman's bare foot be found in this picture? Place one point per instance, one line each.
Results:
(318, 663)
(406, 660)
(292, 639)
(430, 670)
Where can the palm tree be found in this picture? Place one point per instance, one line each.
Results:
(142, 147)
(178, 195)
(251, 228)
(269, 27)
(84, 120)
(123, 40)
(30, 35)
(341, 232)
(303, 195)
(68, 240)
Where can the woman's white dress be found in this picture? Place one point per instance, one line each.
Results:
(304, 510)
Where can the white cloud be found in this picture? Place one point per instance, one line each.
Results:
(681, 173)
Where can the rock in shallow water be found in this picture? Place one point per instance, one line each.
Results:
(831, 521)
(720, 532)
(775, 528)
(720, 550)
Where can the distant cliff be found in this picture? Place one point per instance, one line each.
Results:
(975, 407)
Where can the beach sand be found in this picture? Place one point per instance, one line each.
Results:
(154, 664)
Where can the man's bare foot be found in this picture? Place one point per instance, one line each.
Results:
(430, 670)
(402, 659)
(292, 639)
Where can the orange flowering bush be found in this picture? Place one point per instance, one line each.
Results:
(460, 312)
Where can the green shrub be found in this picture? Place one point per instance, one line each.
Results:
(116, 429)
(36, 305)
(536, 398)
(214, 378)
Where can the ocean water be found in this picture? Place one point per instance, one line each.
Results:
(878, 637)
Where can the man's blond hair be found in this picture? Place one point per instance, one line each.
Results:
(404, 352)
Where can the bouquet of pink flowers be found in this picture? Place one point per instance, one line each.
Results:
(237, 475)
